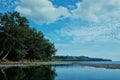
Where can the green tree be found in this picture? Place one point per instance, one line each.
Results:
(18, 40)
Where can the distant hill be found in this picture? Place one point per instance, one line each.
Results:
(78, 58)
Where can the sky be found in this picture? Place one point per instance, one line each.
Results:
(76, 27)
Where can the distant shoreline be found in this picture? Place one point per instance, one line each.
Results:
(25, 64)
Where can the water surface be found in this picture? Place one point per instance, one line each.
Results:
(59, 72)
(86, 73)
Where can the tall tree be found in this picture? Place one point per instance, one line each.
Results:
(18, 40)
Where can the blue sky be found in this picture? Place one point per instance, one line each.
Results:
(76, 27)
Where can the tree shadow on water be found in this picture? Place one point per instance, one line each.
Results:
(44, 72)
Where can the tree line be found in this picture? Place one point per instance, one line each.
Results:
(18, 41)
(77, 58)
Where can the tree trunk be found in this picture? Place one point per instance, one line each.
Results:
(4, 43)
(6, 54)
(1, 52)
(2, 70)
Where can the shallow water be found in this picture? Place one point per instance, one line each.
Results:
(103, 62)
(59, 72)
(86, 73)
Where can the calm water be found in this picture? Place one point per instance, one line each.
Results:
(59, 72)
(86, 73)
(103, 62)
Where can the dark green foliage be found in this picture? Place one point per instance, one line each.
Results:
(78, 58)
(18, 40)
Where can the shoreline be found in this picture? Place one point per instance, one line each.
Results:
(27, 64)
(22, 64)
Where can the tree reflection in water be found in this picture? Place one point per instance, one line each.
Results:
(44, 72)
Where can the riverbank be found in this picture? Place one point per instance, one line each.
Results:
(107, 65)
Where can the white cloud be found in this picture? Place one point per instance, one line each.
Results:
(103, 11)
(41, 11)
(97, 10)
(93, 32)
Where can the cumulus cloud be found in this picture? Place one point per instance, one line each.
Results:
(105, 16)
(97, 10)
(41, 11)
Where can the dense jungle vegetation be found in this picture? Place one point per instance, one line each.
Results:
(19, 41)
